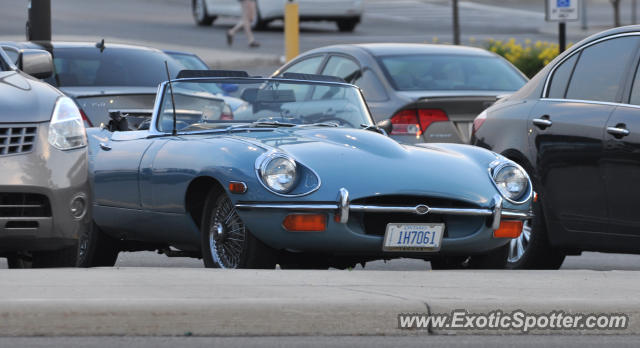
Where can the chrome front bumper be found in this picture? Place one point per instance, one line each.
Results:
(342, 208)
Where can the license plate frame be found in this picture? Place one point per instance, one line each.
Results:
(396, 233)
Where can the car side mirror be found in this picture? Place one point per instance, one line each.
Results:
(37, 63)
(385, 125)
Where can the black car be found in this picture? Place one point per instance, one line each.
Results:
(575, 127)
(103, 78)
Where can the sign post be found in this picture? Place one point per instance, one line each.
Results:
(39, 20)
(562, 11)
(291, 30)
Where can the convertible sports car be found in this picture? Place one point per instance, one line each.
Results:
(308, 182)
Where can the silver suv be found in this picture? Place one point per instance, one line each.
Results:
(44, 187)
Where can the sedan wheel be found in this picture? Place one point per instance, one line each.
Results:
(226, 241)
(517, 246)
(199, 11)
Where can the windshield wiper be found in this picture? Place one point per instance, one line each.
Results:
(320, 124)
(272, 124)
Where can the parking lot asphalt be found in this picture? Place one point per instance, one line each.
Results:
(210, 302)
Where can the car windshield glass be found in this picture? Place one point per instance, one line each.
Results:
(115, 66)
(451, 72)
(263, 102)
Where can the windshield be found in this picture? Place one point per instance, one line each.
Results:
(115, 66)
(266, 102)
(451, 72)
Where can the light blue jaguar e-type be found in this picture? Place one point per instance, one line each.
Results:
(298, 175)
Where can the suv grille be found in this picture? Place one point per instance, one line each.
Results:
(24, 205)
(17, 139)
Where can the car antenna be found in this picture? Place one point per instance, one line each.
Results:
(173, 102)
(100, 45)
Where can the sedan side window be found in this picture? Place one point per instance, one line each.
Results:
(371, 87)
(305, 66)
(561, 77)
(341, 67)
(600, 71)
(635, 89)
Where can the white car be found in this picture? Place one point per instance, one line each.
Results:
(346, 13)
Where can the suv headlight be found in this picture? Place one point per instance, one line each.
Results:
(512, 182)
(278, 173)
(66, 129)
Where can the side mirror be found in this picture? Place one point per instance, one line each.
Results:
(37, 63)
(385, 125)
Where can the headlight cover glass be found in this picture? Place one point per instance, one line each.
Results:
(512, 182)
(279, 173)
(66, 129)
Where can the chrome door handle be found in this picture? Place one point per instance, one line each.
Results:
(618, 132)
(105, 147)
(542, 122)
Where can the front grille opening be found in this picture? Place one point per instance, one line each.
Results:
(402, 200)
(13, 204)
(15, 140)
(376, 224)
(22, 224)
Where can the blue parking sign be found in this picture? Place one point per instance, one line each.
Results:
(564, 3)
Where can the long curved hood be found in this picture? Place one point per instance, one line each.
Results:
(23, 99)
(368, 164)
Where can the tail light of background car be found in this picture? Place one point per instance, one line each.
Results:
(87, 122)
(226, 114)
(416, 121)
(478, 121)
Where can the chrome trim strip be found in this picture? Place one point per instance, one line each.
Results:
(545, 90)
(306, 207)
(590, 102)
(497, 212)
(516, 215)
(343, 205)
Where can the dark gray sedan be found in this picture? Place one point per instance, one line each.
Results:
(430, 93)
(44, 187)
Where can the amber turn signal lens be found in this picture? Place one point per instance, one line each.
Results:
(508, 229)
(237, 187)
(305, 222)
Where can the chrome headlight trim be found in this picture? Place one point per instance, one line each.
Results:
(495, 168)
(263, 160)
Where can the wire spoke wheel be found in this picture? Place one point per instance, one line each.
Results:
(227, 234)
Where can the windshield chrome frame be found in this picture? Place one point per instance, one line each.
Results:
(154, 131)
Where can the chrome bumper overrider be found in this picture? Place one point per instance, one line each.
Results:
(343, 208)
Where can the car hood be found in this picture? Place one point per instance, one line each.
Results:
(93, 91)
(415, 95)
(367, 164)
(23, 99)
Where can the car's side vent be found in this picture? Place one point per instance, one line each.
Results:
(17, 139)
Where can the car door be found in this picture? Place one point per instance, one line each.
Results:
(566, 134)
(621, 166)
(116, 169)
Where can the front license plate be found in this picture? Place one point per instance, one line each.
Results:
(413, 237)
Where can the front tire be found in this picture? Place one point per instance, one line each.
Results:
(347, 25)
(20, 260)
(66, 257)
(200, 14)
(97, 249)
(259, 24)
(226, 241)
(532, 249)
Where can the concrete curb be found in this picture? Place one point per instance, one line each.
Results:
(142, 301)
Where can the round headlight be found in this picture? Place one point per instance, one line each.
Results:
(512, 182)
(279, 173)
